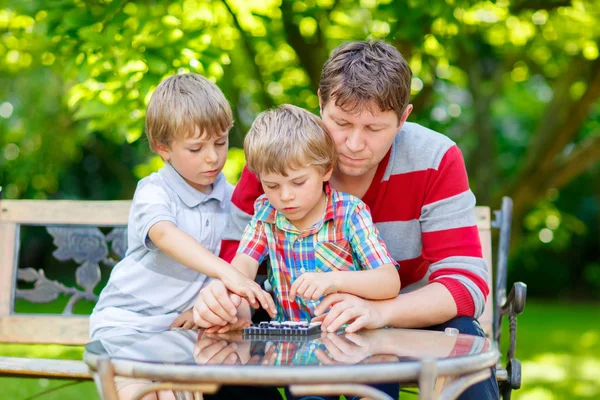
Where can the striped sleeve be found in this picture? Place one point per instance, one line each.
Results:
(247, 190)
(450, 237)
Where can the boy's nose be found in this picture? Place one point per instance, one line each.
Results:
(287, 195)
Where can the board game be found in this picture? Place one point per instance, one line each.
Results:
(283, 329)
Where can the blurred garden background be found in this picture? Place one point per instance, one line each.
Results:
(515, 83)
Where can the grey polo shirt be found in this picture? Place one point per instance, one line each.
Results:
(147, 290)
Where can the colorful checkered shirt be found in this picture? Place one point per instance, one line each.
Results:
(344, 240)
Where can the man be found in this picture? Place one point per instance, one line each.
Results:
(415, 183)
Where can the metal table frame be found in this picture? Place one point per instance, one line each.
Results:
(302, 380)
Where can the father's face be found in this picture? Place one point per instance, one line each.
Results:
(362, 138)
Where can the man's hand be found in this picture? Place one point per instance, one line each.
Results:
(244, 319)
(185, 321)
(313, 285)
(215, 305)
(221, 349)
(243, 286)
(348, 309)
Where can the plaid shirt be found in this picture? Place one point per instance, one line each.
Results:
(344, 240)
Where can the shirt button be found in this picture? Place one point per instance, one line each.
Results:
(302, 270)
(206, 222)
(300, 239)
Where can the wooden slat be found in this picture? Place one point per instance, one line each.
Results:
(42, 367)
(482, 216)
(43, 212)
(55, 329)
(486, 320)
(8, 252)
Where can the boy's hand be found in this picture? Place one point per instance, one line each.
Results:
(185, 321)
(243, 286)
(313, 285)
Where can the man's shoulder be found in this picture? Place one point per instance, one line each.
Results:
(417, 148)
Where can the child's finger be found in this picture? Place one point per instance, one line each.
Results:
(308, 293)
(249, 294)
(294, 288)
(272, 310)
(302, 288)
(318, 294)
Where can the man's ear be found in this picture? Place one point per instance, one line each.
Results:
(320, 101)
(163, 151)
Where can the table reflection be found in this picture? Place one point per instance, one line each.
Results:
(370, 346)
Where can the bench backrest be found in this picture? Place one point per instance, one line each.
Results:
(82, 218)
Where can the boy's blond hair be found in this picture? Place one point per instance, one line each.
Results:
(184, 106)
(288, 137)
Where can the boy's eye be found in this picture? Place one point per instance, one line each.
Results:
(272, 187)
(299, 183)
(374, 129)
(341, 123)
(221, 143)
(195, 150)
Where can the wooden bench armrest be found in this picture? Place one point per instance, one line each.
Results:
(44, 368)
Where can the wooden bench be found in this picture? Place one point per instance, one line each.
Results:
(74, 226)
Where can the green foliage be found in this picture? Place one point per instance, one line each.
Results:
(514, 83)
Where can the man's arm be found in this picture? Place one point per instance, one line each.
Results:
(247, 190)
(450, 239)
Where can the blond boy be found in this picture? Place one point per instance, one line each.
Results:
(177, 216)
(317, 240)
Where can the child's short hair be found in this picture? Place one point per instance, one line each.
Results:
(358, 72)
(288, 137)
(183, 103)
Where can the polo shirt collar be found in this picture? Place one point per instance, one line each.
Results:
(190, 196)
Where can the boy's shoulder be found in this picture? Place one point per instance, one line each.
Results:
(344, 204)
(152, 185)
(264, 210)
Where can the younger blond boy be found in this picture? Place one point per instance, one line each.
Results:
(317, 240)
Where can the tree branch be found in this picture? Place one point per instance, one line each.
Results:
(268, 102)
(579, 160)
(311, 56)
(547, 5)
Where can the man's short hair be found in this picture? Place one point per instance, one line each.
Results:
(288, 137)
(358, 72)
(183, 105)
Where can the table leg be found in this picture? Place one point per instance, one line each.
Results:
(462, 383)
(427, 379)
(337, 389)
(106, 383)
(203, 388)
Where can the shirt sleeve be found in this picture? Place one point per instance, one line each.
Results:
(247, 190)
(450, 236)
(367, 245)
(254, 240)
(151, 204)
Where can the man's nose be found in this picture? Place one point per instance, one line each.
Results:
(355, 141)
